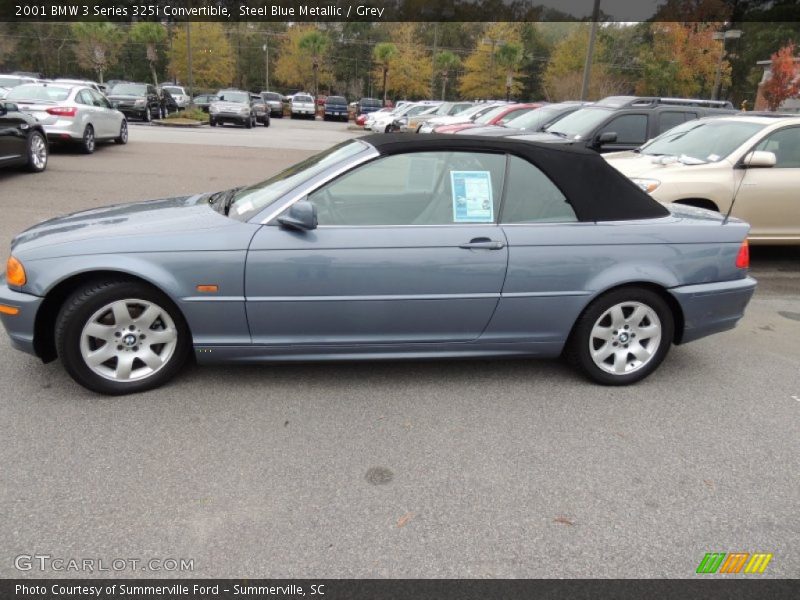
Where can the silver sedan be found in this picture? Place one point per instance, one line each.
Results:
(72, 113)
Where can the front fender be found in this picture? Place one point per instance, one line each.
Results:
(213, 318)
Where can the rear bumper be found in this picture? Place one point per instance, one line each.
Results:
(20, 327)
(712, 307)
(60, 134)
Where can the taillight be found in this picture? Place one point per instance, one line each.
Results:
(743, 258)
(62, 111)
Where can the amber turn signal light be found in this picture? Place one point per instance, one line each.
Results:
(207, 288)
(8, 310)
(743, 258)
(15, 272)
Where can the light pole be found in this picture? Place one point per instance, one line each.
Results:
(587, 66)
(189, 57)
(265, 48)
(731, 34)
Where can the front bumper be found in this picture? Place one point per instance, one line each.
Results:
(20, 327)
(712, 307)
(229, 118)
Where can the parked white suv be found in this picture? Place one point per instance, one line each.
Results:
(302, 105)
(706, 163)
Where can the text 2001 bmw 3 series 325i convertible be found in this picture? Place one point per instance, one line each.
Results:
(381, 248)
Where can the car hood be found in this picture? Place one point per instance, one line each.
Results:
(171, 224)
(634, 164)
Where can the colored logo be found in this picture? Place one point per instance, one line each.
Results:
(734, 562)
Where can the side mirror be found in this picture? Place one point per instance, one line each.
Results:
(759, 159)
(608, 137)
(302, 216)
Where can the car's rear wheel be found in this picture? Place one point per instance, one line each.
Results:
(37, 152)
(119, 337)
(122, 138)
(212, 122)
(88, 142)
(623, 336)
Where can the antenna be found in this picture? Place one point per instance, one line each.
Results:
(748, 157)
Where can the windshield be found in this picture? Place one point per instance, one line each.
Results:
(251, 200)
(489, 115)
(302, 99)
(129, 89)
(173, 90)
(709, 141)
(11, 81)
(38, 93)
(272, 96)
(534, 119)
(370, 102)
(335, 100)
(580, 123)
(237, 97)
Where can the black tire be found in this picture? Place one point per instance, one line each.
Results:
(578, 351)
(212, 122)
(292, 116)
(267, 121)
(79, 308)
(148, 115)
(89, 142)
(38, 152)
(248, 123)
(122, 139)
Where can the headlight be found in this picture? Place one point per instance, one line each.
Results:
(140, 102)
(648, 185)
(213, 108)
(244, 110)
(15, 272)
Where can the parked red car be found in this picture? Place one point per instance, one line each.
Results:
(497, 116)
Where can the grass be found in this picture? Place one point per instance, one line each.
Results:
(190, 114)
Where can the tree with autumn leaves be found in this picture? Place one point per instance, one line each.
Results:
(494, 63)
(408, 66)
(784, 79)
(303, 60)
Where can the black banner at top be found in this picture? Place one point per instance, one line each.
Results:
(400, 10)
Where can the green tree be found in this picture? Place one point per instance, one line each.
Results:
(384, 53)
(294, 66)
(150, 35)
(315, 44)
(212, 56)
(97, 45)
(509, 57)
(484, 75)
(446, 62)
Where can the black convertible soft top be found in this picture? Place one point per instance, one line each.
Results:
(595, 189)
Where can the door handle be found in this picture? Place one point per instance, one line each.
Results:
(482, 244)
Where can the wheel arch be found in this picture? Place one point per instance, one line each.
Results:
(662, 291)
(45, 322)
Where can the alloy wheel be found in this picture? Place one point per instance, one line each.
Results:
(128, 340)
(38, 152)
(625, 338)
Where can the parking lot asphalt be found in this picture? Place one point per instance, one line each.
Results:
(414, 469)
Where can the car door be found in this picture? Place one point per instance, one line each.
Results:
(768, 199)
(631, 130)
(105, 115)
(407, 251)
(13, 135)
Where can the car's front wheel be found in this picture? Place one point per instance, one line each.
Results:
(148, 115)
(37, 152)
(622, 336)
(119, 337)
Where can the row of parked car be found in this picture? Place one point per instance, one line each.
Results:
(699, 153)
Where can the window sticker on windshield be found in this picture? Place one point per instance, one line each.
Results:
(713, 157)
(472, 196)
